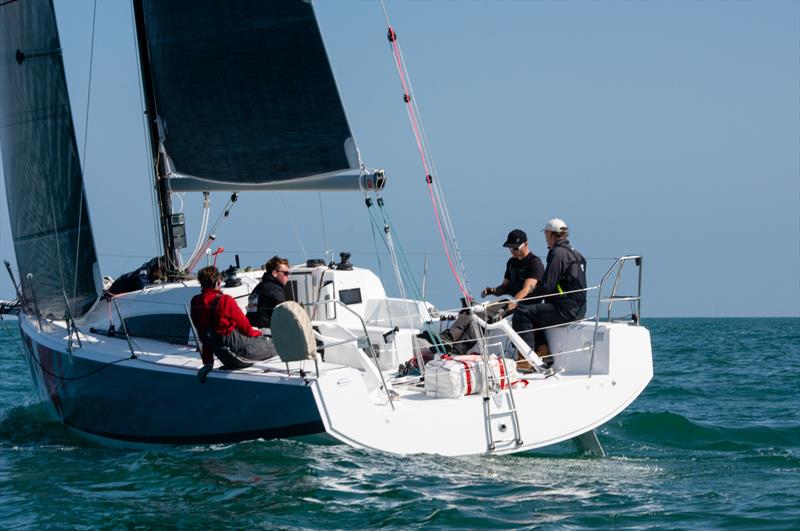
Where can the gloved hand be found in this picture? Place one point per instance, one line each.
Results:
(203, 372)
(487, 291)
(497, 316)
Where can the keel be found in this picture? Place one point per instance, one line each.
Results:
(589, 444)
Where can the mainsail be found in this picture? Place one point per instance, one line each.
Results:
(245, 97)
(47, 208)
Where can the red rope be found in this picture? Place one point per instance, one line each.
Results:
(428, 176)
(200, 254)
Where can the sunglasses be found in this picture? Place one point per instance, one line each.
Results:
(283, 272)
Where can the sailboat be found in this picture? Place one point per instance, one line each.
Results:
(123, 369)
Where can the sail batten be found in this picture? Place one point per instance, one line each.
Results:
(244, 92)
(50, 225)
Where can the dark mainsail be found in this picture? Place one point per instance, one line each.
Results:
(245, 96)
(47, 208)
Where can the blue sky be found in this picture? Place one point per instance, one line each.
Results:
(667, 129)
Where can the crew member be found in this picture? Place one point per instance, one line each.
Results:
(147, 273)
(221, 323)
(524, 270)
(269, 293)
(564, 285)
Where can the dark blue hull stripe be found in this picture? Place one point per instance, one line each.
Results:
(139, 404)
(296, 430)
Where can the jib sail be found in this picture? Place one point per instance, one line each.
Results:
(50, 225)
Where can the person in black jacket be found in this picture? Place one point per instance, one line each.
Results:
(564, 285)
(269, 292)
(148, 273)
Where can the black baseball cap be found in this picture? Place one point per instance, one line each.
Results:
(516, 238)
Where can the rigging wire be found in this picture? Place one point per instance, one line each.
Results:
(203, 226)
(444, 227)
(89, 87)
(83, 158)
(372, 225)
(294, 227)
(322, 221)
(452, 242)
(437, 182)
(385, 230)
(58, 250)
(400, 263)
(225, 211)
(192, 261)
(149, 163)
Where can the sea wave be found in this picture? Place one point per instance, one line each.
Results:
(32, 425)
(677, 431)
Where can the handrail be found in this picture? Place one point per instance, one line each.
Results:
(369, 343)
(635, 300)
(612, 297)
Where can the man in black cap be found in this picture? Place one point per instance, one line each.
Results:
(523, 270)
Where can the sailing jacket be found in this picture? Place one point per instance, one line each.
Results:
(228, 317)
(566, 271)
(133, 281)
(267, 294)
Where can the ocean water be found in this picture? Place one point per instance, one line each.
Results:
(714, 442)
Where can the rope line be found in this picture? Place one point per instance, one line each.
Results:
(373, 223)
(400, 263)
(72, 379)
(437, 184)
(439, 209)
(83, 157)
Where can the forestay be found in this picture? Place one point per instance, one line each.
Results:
(49, 221)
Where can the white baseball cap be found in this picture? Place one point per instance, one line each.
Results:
(556, 225)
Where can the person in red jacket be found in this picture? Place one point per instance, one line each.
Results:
(221, 323)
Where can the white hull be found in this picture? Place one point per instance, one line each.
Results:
(106, 394)
(549, 410)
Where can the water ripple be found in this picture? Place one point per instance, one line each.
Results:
(714, 442)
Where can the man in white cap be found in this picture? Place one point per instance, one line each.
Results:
(563, 284)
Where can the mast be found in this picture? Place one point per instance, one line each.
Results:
(164, 196)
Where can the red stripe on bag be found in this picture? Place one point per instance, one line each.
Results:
(469, 378)
(502, 365)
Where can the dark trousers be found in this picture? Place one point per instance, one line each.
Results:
(252, 348)
(531, 316)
